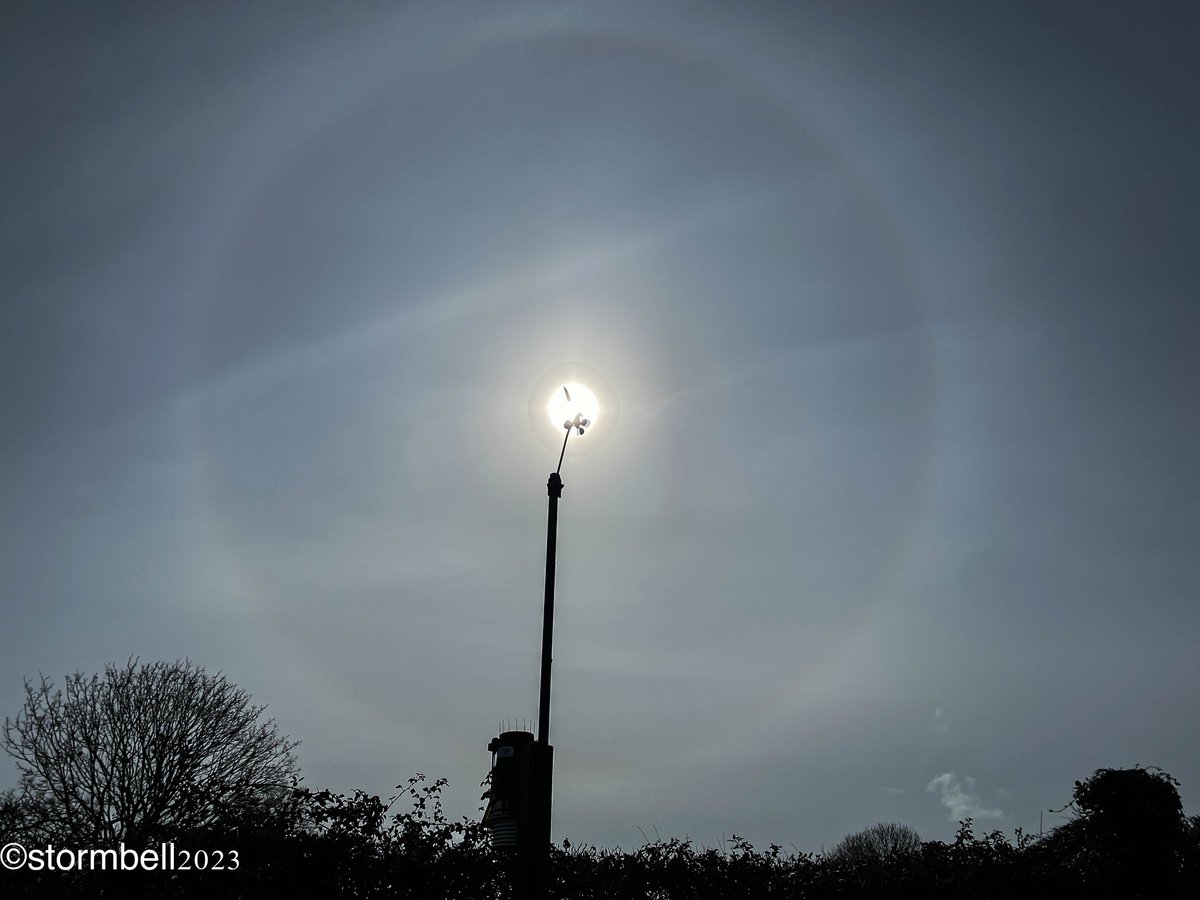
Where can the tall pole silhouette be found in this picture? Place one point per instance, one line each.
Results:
(554, 491)
(542, 760)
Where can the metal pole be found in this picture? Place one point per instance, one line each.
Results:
(554, 490)
(536, 877)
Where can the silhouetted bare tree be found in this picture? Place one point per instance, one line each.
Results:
(876, 844)
(146, 751)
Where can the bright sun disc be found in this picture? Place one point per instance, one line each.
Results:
(563, 405)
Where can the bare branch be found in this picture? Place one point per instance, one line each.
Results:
(148, 750)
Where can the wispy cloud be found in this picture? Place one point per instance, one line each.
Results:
(941, 720)
(893, 790)
(958, 796)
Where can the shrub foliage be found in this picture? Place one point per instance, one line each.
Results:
(357, 846)
(166, 753)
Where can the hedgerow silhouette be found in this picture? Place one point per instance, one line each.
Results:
(358, 846)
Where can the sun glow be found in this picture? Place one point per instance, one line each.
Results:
(592, 397)
(569, 400)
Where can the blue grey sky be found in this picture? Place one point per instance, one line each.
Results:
(897, 302)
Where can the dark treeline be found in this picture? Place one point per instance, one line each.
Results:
(1129, 838)
(157, 754)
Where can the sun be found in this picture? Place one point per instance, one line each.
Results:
(571, 399)
(592, 397)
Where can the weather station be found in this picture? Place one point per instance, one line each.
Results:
(518, 814)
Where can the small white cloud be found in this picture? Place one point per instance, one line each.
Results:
(959, 797)
(941, 720)
(891, 790)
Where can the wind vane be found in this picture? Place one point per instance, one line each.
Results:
(579, 422)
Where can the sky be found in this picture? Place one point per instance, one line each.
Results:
(890, 511)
